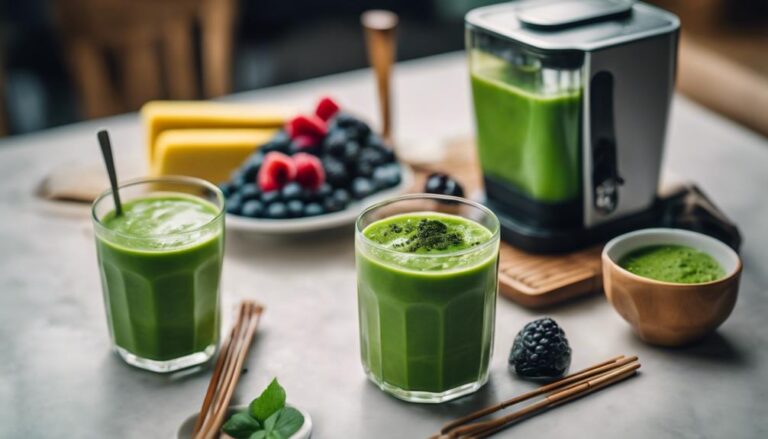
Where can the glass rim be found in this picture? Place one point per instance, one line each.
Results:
(183, 179)
(495, 234)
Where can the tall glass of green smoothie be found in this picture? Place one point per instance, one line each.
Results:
(427, 274)
(160, 264)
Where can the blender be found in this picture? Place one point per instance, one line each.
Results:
(571, 99)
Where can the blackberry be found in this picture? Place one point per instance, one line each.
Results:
(439, 183)
(540, 351)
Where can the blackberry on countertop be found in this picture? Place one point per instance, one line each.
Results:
(540, 351)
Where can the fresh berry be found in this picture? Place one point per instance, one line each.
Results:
(309, 170)
(249, 191)
(375, 141)
(351, 152)
(253, 209)
(279, 142)
(291, 191)
(335, 143)
(226, 188)
(295, 208)
(361, 187)
(234, 204)
(249, 172)
(342, 196)
(270, 197)
(331, 204)
(277, 210)
(373, 156)
(313, 209)
(311, 126)
(386, 176)
(364, 169)
(303, 141)
(277, 170)
(256, 159)
(439, 183)
(326, 108)
(323, 191)
(335, 172)
(540, 351)
(237, 179)
(344, 120)
(358, 131)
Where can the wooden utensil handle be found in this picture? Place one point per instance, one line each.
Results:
(380, 28)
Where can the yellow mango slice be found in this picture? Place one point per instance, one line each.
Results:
(211, 154)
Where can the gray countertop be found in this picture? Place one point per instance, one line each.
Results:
(59, 379)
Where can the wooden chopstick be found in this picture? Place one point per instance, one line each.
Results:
(220, 410)
(560, 392)
(556, 398)
(487, 428)
(213, 384)
(570, 379)
(227, 371)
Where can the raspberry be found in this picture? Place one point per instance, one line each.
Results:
(311, 126)
(309, 170)
(304, 141)
(326, 108)
(277, 170)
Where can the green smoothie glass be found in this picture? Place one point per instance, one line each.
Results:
(427, 276)
(160, 264)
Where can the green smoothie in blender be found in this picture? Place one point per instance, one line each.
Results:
(527, 126)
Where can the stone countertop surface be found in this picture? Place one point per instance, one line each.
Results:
(59, 379)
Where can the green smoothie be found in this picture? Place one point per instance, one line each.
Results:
(527, 136)
(673, 263)
(160, 265)
(427, 296)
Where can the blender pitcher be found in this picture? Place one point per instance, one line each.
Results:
(571, 100)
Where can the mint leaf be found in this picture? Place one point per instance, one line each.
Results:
(270, 401)
(283, 423)
(241, 425)
(261, 434)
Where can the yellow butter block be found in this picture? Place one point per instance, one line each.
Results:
(211, 154)
(159, 116)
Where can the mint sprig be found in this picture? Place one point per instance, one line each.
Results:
(270, 401)
(267, 417)
(241, 425)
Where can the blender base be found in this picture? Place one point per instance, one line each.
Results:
(538, 239)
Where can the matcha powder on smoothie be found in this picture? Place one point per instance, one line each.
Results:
(427, 233)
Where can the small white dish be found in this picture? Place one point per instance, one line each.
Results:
(320, 222)
(185, 430)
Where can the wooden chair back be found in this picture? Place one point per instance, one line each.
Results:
(123, 53)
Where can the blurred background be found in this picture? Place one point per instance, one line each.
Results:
(62, 61)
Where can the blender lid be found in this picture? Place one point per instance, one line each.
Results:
(572, 24)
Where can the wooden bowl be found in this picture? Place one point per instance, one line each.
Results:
(665, 313)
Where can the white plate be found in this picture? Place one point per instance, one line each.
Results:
(320, 222)
(185, 430)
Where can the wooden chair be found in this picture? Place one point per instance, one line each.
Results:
(123, 53)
